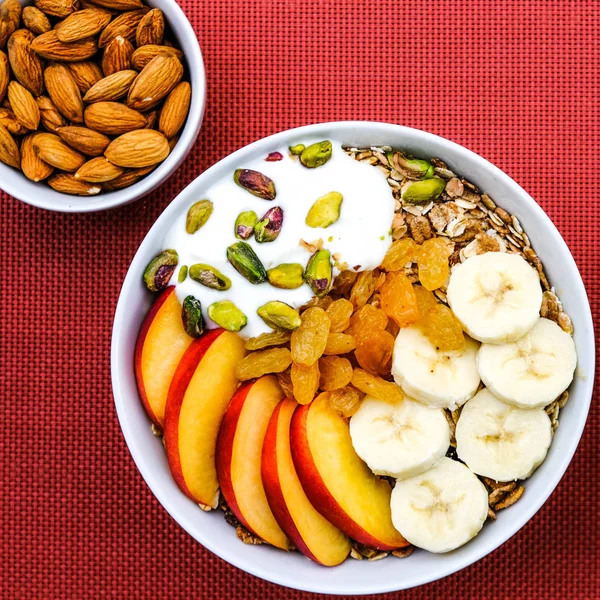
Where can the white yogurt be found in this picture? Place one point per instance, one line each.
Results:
(360, 238)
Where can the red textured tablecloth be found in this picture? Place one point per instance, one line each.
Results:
(516, 81)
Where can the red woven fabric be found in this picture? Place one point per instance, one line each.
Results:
(516, 81)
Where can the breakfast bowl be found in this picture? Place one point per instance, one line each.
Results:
(125, 178)
(371, 143)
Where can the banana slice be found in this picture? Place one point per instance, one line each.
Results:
(399, 440)
(533, 371)
(440, 379)
(496, 296)
(440, 509)
(501, 441)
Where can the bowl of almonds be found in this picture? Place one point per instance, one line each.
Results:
(99, 101)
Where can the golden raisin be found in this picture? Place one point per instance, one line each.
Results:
(264, 340)
(339, 343)
(257, 364)
(309, 340)
(443, 329)
(376, 387)
(433, 264)
(366, 319)
(346, 400)
(305, 382)
(400, 254)
(285, 381)
(336, 372)
(374, 352)
(425, 300)
(363, 288)
(339, 312)
(398, 299)
(343, 283)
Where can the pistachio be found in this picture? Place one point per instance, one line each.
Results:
(269, 227)
(183, 273)
(422, 192)
(274, 157)
(279, 315)
(412, 168)
(256, 183)
(210, 277)
(227, 315)
(325, 211)
(316, 155)
(297, 150)
(318, 274)
(197, 216)
(287, 276)
(244, 224)
(160, 269)
(191, 315)
(246, 263)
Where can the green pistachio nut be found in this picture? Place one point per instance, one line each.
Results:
(183, 273)
(244, 224)
(246, 263)
(269, 227)
(297, 150)
(325, 211)
(319, 272)
(227, 315)
(287, 276)
(160, 269)
(210, 277)
(256, 183)
(279, 315)
(191, 315)
(422, 192)
(316, 155)
(198, 215)
(411, 168)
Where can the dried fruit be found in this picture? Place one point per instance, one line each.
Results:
(316, 155)
(10, 16)
(246, 263)
(279, 315)
(319, 273)
(443, 329)
(57, 8)
(434, 269)
(160, 269)
(412, 168)
(374, 352)
(363, 288)
(9, 151)
(325, 211)
(305, 382)
(257, 364)
(67, 184)
(425, 300)
(339, 312)
(309, 340)
(209, 277)
(51, 149)
(339, 343)
(400, 253)
(155, 82)
(191, 315)
(49, 46)
(35, 20)
(137, 149)
(143, 55)
(285, 382)
(150, 29)
(376, 387)
(367, 319)
(183, 273)
(287, 276)
(256, 183)
(343, 282)
(198, 215)
(175, 110)
(83, 139)
(25, 63)
(23, 105)
(110, 88)
(398, 299)
(422, 192)
(297, 150)
(264, 340)
(336, 372)
(244, 224)
(346, 401)
(124, 25)
(227, 315)
(117, 56)
(33, 167)
(82, 24)
(85, 74)
(113, 118)
(269, 227)
(64, 92)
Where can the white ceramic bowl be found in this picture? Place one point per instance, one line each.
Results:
(354, 577)
(13, 182)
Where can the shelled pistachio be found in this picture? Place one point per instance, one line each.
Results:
(256, 183)
(279, 315)
(198, 215)
(209, 277)
(317, 154)
(244, 260)
(160, 269)
(325, 211)
(227, 315)
(319, 272)
(191, 315)
(269, 227)
(287, 276)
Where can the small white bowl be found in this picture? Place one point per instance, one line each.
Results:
(353, 577)
(13, 182)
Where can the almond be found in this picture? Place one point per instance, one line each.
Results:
(151, 28)
(85, 74)
(82, 24)
(99, 170)
(10, 16)
(49, 46)
(23, 105)
(136, 149)
(9, 151)
(151, 118)
(85, 140)
(117, 56)
(25, 63)
(49, 115)
(119, 4)
(32, 165)
(67, 184)
(142, 56)
(113, 118)
(35, 20)
(127, 179)
(113, 87)
(156, 81)
(124, 25)
(4, 75)
(175, 110)
(64, 92)
(57, 8)
(51, 149)
(8, 119)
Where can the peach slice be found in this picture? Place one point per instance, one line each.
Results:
(239, 451)
(310, 532)
(202, 387)
(160, 345)
(337, 482)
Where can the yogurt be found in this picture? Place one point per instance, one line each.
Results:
(360, 237)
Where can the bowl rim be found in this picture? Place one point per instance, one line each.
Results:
(454, 564)
(183, 32)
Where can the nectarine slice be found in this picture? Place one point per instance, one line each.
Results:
(202, 387)
(311, 533)
(337, 482)
(239, 451)
(160, 345)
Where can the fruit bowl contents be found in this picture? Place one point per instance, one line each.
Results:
(353, 352)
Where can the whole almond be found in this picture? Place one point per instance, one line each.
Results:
(32, 165)
(143, 55)
(9, 151)
(51, 149)
(151, 119)
(49, 115)
(113, 118)
(156, 81)
(25, 63)
(57, 8)
(23, 105)
(35, 20)
(151, 28)
(124, 25)
(64, 92)
(67, 184)
(49, 46)
(85, 140)
(83, 24)
(119, 4)
(10, 17)
(117, 56)
(175, 110)
(137, 149)
(128, 178)
(113, 87)
(4, 75)
(98, 170)
(8, 119)
(85, 74)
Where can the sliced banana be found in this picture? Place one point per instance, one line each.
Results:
(440, 379)
(500, 441)
(533, 371)
(496, 296)
(399, 440)
(440, 509)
